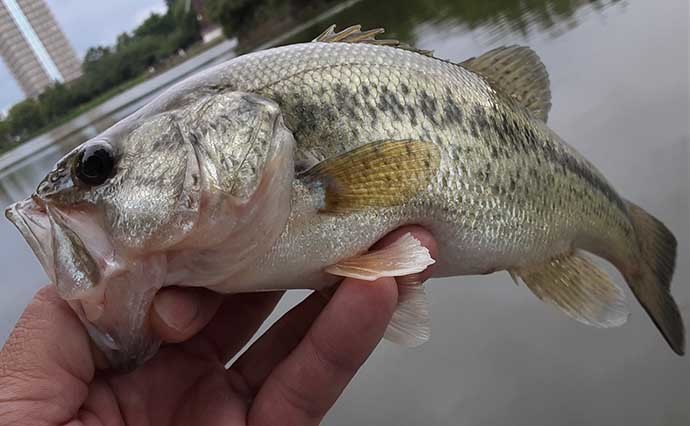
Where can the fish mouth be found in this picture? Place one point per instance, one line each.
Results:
(31, 220)
(111, 295)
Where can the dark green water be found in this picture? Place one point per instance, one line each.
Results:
(403, 19)
(619, 82)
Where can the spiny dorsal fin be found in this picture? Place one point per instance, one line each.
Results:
(354, 34)
(572, 283)
(518, 72)
(378, 174)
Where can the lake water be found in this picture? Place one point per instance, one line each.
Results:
(619, 81)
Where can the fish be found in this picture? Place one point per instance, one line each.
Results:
(279, 170)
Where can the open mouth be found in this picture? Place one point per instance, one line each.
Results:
(72, 250)
(110, 296)
(32, 221)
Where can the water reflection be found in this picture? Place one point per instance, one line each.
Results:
(402, 18)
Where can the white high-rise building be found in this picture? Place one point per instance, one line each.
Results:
(34, 48)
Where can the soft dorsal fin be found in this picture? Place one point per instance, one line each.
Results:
(354, 34)
(518, 72)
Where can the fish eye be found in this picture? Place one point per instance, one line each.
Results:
(94, 164)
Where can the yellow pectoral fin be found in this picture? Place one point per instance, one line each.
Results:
(379, 174)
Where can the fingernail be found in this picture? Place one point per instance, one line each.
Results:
(176, 310)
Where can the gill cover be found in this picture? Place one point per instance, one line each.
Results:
(245, 154)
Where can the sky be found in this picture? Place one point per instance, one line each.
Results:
(86, 23)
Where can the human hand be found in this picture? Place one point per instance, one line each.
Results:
(50, 374)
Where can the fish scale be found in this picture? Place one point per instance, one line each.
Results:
(336, 97)
(509, 192)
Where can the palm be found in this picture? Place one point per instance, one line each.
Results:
(291, 375)
(187, 383)
(178, 387)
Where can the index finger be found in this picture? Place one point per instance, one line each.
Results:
(302, 388)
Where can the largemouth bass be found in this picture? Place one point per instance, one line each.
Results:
(279, 169)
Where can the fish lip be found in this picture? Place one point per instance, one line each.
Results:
(20, 215)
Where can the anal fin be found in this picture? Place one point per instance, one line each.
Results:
(581, 290)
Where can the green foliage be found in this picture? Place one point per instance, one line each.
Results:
(242, 17)
(232, 15)
(25, 117)
(156, 25)
(155, 40)
(5, 135)
(188, 29)
(55, 101)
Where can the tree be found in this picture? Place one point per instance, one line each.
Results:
(122, 41)
(25, 118)
(5, 135)
(186, 23)
(55, 101)
(93, 56)
(232, 15)
(156, 25)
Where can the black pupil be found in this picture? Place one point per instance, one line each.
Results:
(95, 165)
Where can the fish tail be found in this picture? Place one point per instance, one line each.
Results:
(649, 276)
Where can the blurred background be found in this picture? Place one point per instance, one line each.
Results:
(620, 86)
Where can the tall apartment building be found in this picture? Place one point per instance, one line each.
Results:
(34, 48)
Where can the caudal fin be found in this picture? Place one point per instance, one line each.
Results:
(650, 278)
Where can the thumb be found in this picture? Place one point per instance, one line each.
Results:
(180, 313)
(45, 365)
